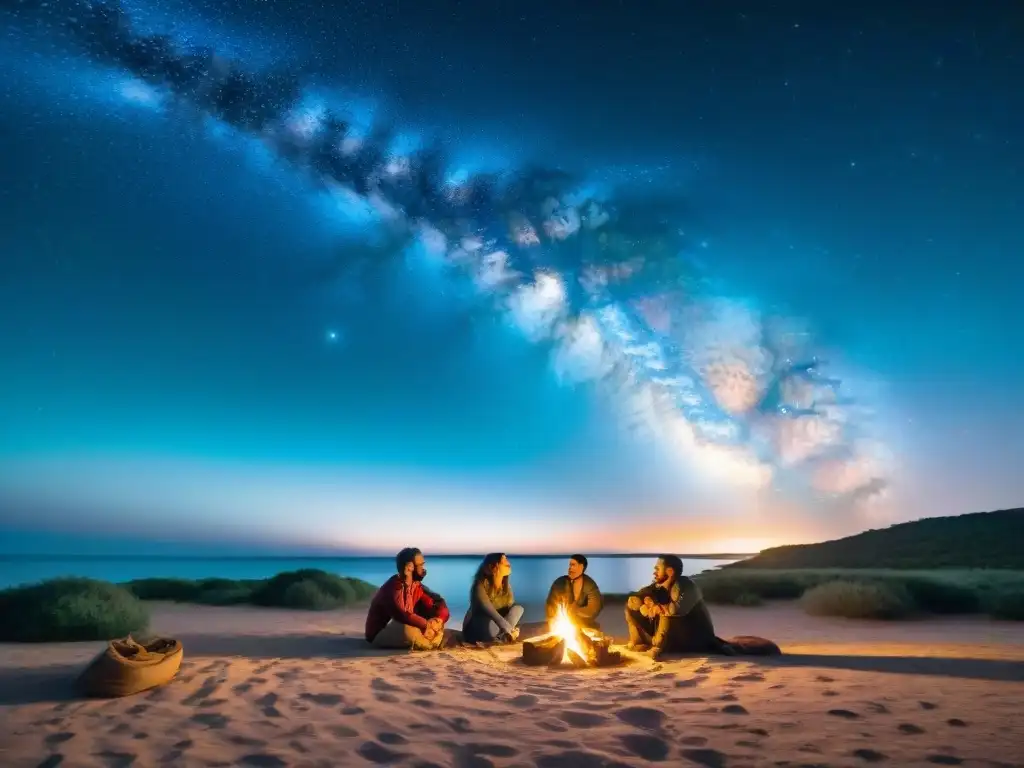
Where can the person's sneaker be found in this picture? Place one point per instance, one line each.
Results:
(637, 647)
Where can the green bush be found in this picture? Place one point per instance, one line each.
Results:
(172, 590)
(940, 596)
(1006, 605)
(204, 591)
(858, 600)
(311, 589)
(69, 610)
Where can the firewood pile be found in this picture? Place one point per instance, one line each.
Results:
(581, 648)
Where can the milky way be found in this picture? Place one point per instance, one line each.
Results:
(604, 279)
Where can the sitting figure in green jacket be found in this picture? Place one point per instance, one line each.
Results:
(669, 614)
(578, 593)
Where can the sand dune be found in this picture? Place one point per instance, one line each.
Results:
(278, 688)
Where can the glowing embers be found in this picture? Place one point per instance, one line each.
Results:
(568, 644)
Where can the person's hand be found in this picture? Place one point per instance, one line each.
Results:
(436, 625)
(513, 634)
(633, 603)
(648, 601)
(429, 633)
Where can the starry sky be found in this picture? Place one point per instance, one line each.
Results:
(206, 342)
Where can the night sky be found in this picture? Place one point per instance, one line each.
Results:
(776, 299)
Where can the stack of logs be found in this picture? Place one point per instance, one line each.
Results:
(549, 650)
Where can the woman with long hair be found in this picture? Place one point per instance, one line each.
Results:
(493, 612)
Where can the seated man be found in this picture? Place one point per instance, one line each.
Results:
(670, 614)
(404, 613)
(578, 593)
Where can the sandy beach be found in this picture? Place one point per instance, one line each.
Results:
(262, 687)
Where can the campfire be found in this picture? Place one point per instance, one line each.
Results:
(567, 644)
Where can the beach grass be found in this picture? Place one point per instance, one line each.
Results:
(305, 589)
(78, 609)
(896, 593)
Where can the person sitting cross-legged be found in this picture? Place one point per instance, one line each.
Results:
(669, 615)
(403, 612)
(493, 613)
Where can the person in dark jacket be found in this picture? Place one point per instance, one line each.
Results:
(578, 593)
(403, 612)
(493, 612)
(669, 614)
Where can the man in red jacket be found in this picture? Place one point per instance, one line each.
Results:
(404, 613)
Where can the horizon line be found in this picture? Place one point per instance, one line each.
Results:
(363, 556)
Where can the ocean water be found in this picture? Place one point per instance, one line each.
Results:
(449, 576)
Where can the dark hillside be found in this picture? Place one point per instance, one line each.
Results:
(977, 540)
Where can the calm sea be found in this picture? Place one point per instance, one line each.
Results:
(450, 576)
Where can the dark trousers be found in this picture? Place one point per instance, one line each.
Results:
(678, 634)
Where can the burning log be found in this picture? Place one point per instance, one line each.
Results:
(544, 650)
(570, 644)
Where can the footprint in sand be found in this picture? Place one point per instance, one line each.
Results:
(322, 699)
(380, 684)
(910, 729)
(482, 695)
(262, 760)
(956, 722)
(878, 708)
(211, 720)
(650, 748)
(735, 709)
(928, 705)
(246, 741)
(750, 677)
(844, 713)
(758, 732)
(378, 753)
(359, 710)
(579, 719)
(693, 741)
(710, 758)
(524, 701)
(869, 755)
(824, 679)
(728, 697)
(944, 759)
(392, 739)
(387, 698)
(58, 738)
(267, 703)
(642, 717)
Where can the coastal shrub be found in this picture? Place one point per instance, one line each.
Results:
(940, 596)
(1007, 605)
(311, 589)
(171, 590)
(727, 588)
(69, 610)
(205, 591)
(858, 600)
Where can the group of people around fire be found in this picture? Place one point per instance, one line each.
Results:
(667, 615)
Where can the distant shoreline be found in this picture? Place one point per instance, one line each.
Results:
(604, 555)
